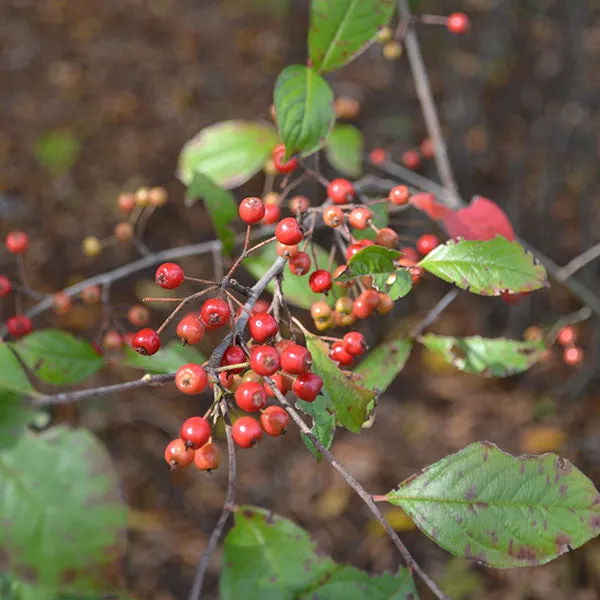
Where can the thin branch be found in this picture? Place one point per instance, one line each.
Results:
(435, 312)
(196, 591)
(579, 262)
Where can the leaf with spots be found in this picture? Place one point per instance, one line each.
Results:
(304, 108)
(12, 374)
(63, 515)
(501, 510)
(57, 357)
(229, 153)
(486, 268)
(483, 356)
(322, 412)
(382, 364)
(344, 150)
(166, 360)
(15, 415)
(341, 29)
(266, 556)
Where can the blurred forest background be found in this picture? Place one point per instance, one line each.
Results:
(99, 97)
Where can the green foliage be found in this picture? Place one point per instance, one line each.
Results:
(266, 556)
(501, 510)
(12, 375)
(229, 153)
(490, 357)
(63, 510)
(219, 204)
(304, 108)
(341, 29)
(166, 360)
(486, 268)
(344, 150)
(349, 399)
(15, 415)
(57, 357)
(382, 364)
(378, 262)
(57, 151)
(322, 412)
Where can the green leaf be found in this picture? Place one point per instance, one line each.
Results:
(268, 557)
(57, 151)
(304, 108)
(166, 360)
(380, 220)
(486, 268)
(501, 510)
(378, 262)
(295, 289)
(322, 412)
(12, 375)
(57, 357)
(15, 415)
(349, 399)
(344, 150)
(63, 512)
(229, 153)
(342, 29)
(219, 204)
(382, 364)
(490, 357)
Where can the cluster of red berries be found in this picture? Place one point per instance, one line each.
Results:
(411, 159)
(572, 354)
(194, 445)
(344, 351)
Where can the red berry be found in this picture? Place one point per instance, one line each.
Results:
(353, 249)
(282, 382)
(573, 356)
(126, 203)
(360, 218)
(191, 379)
(112, 340)
(426, 243)
(296, 359)
(281, 345)
(339, 354)
(169, 276)
(299, 204)
(5, 286)
(265, 360)
(399, 195)
(251, 396)
(272, 214)
(124, 231)
(307, 386)
(287, 252)
(354, 342)
(427, 148)
(261, 306)
(146, 342)
(233, 355)
(195, 432)
(386, 304)
(274, 420)
(138, 315)
(190, 329)
(300, 264)
(410, 254)
(341, 191)
(207, 458)
(91, 294)
(333, 216)
(177, 454)
(411, 159)
(280, 165)
(378, 156)
(288, 231)
(416, 273)
(246, 432)
(61, 303)
(17, 242)
(19, 325)
(320, 281)
(229, 380)
(215, 313)
(458, 23)
(262, 327)
(387, 237)
(251, 210)
(567, 336)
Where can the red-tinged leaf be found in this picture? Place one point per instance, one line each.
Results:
(429, 205)
(481, 220)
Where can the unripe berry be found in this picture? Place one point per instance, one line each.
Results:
(17, 242)
(91, 294)
(533, 334)
(250, 375)
(385, 34)
(265, 360)
(126, 203)
(251, 210)
(354, 343)
(262, 326)
(287, 252)
(298, 204)
(178, 455)
(91, 246)
(246, 432)
(307, 386)
(169, 276)
(288, 231)
(190, 329)
(19, 325)
(387, 237)
(426, 243)
(458, 23)
(339, 355)
(233, 355)
(324, 324)
(195, 432)
(320, 311)
(61, 303)
(567, 336)
(157, 196)
(333, 216)
(191, 379)
(392, 50)
(215, 313)
(142, 196)
(341, 191)
(281, 165)
(573, 356)
(378, 156)
(112, 340)
(251, 396)
(5, 286)
(320, 281)
(271, 198)
(399, 195)
(360, 218)
(208, 458)
(411, 159)
(344, 319)
(346, 107)
(146, 342)
(138, 315)
(272, 214)
(296, 359)
(124, 231)
(300, 264)
(282, 382)
(386, 304)
(274, 420)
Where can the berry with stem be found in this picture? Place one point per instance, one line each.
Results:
(338, 354)
(296, 359)
(288, 231)
(282, 165)
(300, 264)
(262, 327)
(190, 329)
(265, 360)
(215, 313)
(399, 195)
(169, 276)
(195, 432)
(61, 303)
(426, 243)
(146, 342)
(17, 242)
(19, 325)
(411, 159)
(307, 386)
(354, 343)
(320, 281)
(91, 294)
(124, 231)
(191, 379)
(298, 204)
(341, 191)
(274, 420)
(233, 355)
(246, 432)
(458, 23)
(251, 210)
(360, 218)
(272, 214)
(287, 252)
(333, 216)
(178, 455)
(251, 396)
(208, 458)
(126, 203)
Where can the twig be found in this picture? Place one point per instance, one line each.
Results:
(196, 591)
(579, 262)
(435, 312)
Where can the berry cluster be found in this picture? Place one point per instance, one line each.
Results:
(572, 354)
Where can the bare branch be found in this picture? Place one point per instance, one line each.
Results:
(435, 312)
(579, 262)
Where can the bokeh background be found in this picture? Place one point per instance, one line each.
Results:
(99, 97)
